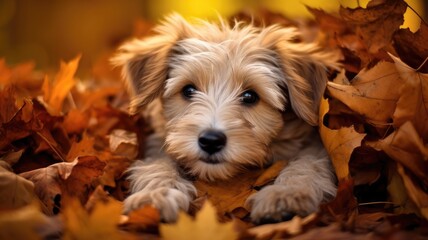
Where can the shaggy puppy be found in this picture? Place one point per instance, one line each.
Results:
(222, 99)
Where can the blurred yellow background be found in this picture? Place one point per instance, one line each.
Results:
(46, 31)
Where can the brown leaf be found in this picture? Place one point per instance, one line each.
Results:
(377, 23)
(339, 143)
(123, 143)
(372, 94)
(227, 199)
(85, 147)
(146, 218)
(15, 191)
(412, 47)
(73, 179)
(114, 170)
(55, 92)
(76, 121)
(413, 102)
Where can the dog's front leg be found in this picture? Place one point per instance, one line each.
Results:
(157, 182)
(299, 189)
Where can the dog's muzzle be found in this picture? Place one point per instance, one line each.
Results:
(212, 141)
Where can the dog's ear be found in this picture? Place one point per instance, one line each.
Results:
(305, 67)
(144, 62)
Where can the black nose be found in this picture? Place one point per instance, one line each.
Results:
(212, 141)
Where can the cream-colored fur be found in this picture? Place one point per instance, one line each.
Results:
(223, 62)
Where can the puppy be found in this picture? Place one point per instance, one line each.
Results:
(222, 99)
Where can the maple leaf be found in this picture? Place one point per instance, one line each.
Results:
(204, 226)
(413, 102)
(22, 223)
(339, 143)
(377, 23)
(100, 223)
(123, 143)
(55, 92)
(73, 179)
(76, 121)
(146, 218)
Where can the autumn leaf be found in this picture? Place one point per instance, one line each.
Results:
(123, 143)
(73, 179)
(146, 218)
(204, 226)
(100, 223)
(413, 102)
(377, 23)
(76, 121)
(231, 200)
(339, 143)
(372, 94)
(22, 223)
(85, 147)
(55, 92)
(15, 191)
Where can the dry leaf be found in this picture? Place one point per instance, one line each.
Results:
(204, 226)
(376, 24)
(73, 179)
(123, 143)
(114, 170)
(232, 198)
(146, 218)
(55, 92)
(22, 223)
(372, 94)
(339, 143)
(100, 223)
(413, 102)
(278, 230)
(76, 121)
(85, 147)
(15, 191)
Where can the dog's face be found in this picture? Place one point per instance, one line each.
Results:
(224, 89)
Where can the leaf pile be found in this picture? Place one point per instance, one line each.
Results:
(65, 144)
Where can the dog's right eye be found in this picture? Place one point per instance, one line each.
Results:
(188, 91)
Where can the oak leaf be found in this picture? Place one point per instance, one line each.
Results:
(204, 226)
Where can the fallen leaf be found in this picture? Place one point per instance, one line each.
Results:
(413, 102)
(100, 223)
(280, 230)
(76, 121)
(55, 92)
(22, 223)
(15, 191)
(123, 143)
(146, 218)
(85, 147)
(373, 93)
(228, 199)
(73, 179)
(339, 143)
(204, 226)
(114, 170)
(377, 23)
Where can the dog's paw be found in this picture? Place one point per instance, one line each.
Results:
(169, 201)
(278, 203)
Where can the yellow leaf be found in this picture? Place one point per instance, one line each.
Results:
(101, 223)
(22, 223)
(55, 93)
(339, 143)
(204, 226)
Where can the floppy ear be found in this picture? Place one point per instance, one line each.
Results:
(305, 67)
(144, 62)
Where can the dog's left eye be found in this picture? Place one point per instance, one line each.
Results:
(188, 91)
(249, 97)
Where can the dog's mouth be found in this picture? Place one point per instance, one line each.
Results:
(210, 160)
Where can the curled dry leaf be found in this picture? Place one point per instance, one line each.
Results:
(204, 226)
(15, 191)
(72, 179)
(339, 143)
(283, 229)
(123, 143)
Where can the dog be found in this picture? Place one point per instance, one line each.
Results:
(224, 98)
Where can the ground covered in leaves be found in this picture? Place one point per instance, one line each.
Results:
(65, 144)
